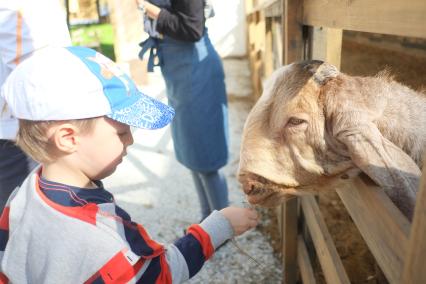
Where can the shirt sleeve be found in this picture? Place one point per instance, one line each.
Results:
(198, 245)
(145, 261)
(184, 21)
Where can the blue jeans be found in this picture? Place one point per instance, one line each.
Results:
(15, 166)
(212, 191)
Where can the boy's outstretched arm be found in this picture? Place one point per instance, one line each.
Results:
(145, 261)
(188, 254)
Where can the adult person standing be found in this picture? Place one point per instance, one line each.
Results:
(195, 86)
(25, 26)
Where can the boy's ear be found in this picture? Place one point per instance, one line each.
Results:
(65, 137)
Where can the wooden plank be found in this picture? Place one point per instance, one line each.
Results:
(259, 35)
(327, 45)
(256, 45)
(398, 17)
(414, 269)
(292, 31)
(248, 6)
(329, 259)
(269, 56)
(305, 266)
(274, 10)
(289, 240)
(382, 225)
(251, 49)
(262, 5)
(277, 43)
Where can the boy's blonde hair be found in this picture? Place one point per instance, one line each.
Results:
(32, 136)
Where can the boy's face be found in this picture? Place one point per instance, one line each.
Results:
(102, 149)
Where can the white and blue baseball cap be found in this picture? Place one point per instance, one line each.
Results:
(64, 83)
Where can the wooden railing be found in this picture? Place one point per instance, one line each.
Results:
(284, 31)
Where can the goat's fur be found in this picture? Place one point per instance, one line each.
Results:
(313, 123)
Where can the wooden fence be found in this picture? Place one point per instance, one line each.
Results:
(284, 31)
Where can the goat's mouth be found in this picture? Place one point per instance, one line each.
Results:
(266, 193)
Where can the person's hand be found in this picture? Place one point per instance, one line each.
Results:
(241, 219)
(151, 10)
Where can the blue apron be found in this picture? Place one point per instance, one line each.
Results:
(195, 84)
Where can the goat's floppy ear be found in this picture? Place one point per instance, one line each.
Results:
(384, 162)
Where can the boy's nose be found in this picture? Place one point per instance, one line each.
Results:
(130, 139)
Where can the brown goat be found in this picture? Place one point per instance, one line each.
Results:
(313, 124)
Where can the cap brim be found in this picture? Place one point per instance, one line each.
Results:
(146, 113)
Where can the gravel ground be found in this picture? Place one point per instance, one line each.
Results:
(158, 192)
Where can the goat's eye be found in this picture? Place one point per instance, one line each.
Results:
(293, 121)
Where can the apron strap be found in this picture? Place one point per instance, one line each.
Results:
(154, 58)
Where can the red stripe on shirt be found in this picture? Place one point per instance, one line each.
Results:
(165, 276)
(156, 247)
(117, 270)
(3, 279)
(203, 238)
(4, 219)
(86, 213)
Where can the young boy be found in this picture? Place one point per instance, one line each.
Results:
(75, 109)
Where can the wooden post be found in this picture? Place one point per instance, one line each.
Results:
(268, 61)
(67, 11)
(292, 31)
(256, 47)
(306, 271)
(331, 264)
(414, 268)
(292, 51)
(326, 45)
(289, 239)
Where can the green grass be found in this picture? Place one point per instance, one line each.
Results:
(97, 36)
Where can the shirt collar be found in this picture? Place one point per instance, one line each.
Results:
(72, 196)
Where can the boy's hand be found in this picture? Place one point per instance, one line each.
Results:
(241, 219)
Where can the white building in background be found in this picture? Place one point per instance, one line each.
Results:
(227, 29)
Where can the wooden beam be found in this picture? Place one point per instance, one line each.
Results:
(278, 43)
(289, 239)
(292, 31)
(269, 55)
(414, 268)
(397, 17)
(381, 224)
(305, 266)
(274, 10)
(331, 264)
(262, 5)
(256, 46)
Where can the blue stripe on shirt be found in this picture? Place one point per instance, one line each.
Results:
(4, 237)
(192, 252)
(98, 280)
(134, 238)
(152, 272)
(66, 195)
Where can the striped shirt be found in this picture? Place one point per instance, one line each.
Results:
(54, 233)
